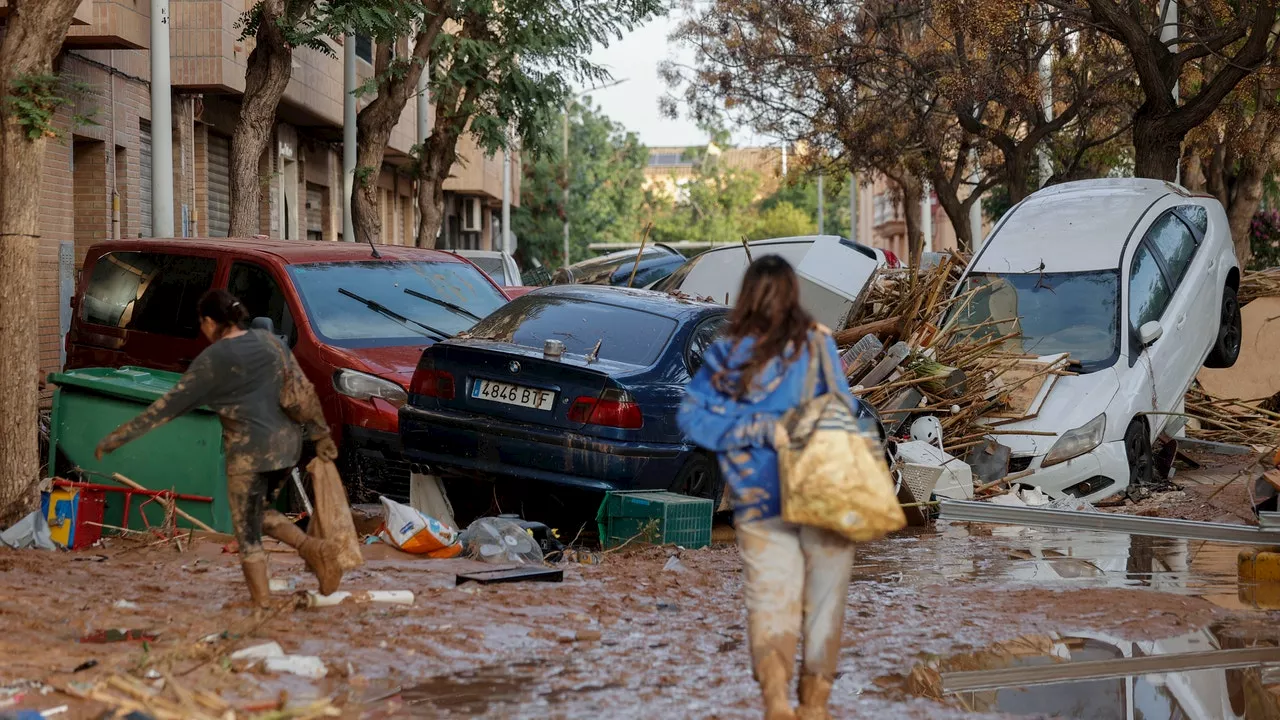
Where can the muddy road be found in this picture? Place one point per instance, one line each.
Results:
(627, 638)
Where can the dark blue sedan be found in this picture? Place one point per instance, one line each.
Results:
(601, 416)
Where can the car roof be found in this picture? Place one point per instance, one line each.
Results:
(658, 303)
(652, 251)
(289, 252)
(1072, 227)
(478, 253)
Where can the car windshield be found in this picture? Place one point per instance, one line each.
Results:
(491, 265)
(625, 334)
(1045, 314)
(335, 296)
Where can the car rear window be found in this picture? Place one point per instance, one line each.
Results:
(148, 292)
(625, 334)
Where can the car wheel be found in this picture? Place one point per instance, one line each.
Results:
(700, 477)
(1137, 447)
(1227, 348)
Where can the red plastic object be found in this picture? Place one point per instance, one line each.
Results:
(128, 497)
(88, 530)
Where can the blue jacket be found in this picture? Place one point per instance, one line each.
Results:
(740, 432)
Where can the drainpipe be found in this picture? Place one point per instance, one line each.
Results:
(1169, 33)
(161, 124)
(853, 207)
(424, 130)
(348, 134)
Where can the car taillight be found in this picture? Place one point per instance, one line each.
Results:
(614, 408)
(891, 260)
(432, 383)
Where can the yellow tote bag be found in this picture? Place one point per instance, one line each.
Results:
(833, 476)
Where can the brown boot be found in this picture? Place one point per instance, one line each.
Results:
(255, 576)
(815, 691)
(773, 672)
(321, 556)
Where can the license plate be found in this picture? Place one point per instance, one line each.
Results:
(513, 394)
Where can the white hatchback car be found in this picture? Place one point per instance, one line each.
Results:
(1135, 279)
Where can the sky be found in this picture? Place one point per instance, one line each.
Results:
(634, 103)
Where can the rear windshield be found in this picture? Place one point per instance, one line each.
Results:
(625, 334)
(329, 293)
(148, 292)
(491, 265)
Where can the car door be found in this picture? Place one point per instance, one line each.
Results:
(260, 293)
(139, 308)
(1161, 288)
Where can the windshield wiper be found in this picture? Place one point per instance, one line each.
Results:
(443, 303)
(378, 307)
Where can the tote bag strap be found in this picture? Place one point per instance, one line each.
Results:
(818, 348)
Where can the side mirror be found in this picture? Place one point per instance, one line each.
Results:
(1149, 333)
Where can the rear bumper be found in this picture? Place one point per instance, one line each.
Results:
(449, 441)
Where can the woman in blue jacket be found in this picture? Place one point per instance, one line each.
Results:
(797, 577)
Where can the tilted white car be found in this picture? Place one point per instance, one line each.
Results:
(1136, 280)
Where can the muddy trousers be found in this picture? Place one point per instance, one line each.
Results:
(249, 496)
(797, 582)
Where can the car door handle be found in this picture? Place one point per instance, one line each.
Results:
(1181, 319)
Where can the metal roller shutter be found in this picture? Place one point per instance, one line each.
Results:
(144, 154)
(219, 185)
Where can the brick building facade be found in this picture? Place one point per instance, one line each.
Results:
(97, 175)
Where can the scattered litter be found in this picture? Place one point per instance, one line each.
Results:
(493, 577)
(582, 557)
(955, 477)
(413, 532)
(259, 652)
(121, 635)
(390, 597)
(282, 585)
(307, 666)
(674, 564)
(31, 531)
(1072, 503)
(125, 605)
(89, 558)
(499, 540)
(87, 664)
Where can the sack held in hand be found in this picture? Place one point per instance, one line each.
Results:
(833, 475)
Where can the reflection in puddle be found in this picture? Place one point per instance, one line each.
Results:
(1094, 676)
(1047, 557)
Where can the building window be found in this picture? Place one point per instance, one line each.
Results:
(364, 48)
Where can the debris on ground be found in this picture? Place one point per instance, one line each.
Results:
(414, 532)
(126, 696)
(499, 540)
(31, 531)
(388, 597)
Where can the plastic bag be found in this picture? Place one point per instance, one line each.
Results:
(500, 540)
(332, 519)
(413, 532)
(31, 531)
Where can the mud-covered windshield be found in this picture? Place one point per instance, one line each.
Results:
(346, 318)
(1044, 314)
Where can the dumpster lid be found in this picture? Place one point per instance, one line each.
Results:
(134, 383)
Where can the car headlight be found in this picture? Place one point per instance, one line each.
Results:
(363, 386)
(1075, 443)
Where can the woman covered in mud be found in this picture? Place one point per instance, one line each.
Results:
(797, 577)
(241, 376)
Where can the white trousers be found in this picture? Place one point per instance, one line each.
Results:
(797, 580)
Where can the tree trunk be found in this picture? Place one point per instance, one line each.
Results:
(1017, 171)
(430, 213)
(912, 191)
(33, 38)
(375, 123)
(1245, 200)
(1155, 152)
(266, 76)
(957, 210)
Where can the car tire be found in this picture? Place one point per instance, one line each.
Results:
(1137, 448)
(700, 477)
(1226, 349)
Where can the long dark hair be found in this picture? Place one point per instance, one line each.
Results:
(224, 309)
(768, 310)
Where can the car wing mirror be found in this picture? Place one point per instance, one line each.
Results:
(1150, 332)
(266, 323)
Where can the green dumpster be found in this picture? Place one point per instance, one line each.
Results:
(184, 455)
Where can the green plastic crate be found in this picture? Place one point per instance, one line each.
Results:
(184, 455)
(682, 520)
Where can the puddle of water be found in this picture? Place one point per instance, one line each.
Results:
(1092, 676)
(959, 552)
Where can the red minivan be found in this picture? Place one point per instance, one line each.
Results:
(357, 323)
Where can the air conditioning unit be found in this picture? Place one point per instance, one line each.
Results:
(472, 217)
